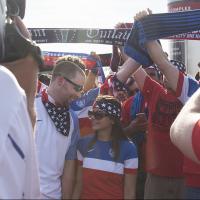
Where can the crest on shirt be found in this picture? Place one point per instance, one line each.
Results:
(111, 153)
(80, 103)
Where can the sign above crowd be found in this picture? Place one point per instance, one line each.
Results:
(96, 36)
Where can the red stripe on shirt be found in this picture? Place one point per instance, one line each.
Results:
(130, 171)
(196, 139)
(179, 84)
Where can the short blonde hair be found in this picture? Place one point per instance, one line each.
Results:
(67, 69)
(73, 59)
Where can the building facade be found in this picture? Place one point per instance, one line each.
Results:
(187, 51)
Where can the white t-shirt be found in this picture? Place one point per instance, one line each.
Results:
(52, 148)
(18, 167)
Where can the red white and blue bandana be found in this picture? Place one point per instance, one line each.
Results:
(58, 114)
(109, 108)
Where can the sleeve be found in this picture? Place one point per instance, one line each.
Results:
(131, 160)
(80, 157)
(186, 87)
(72, 151)
(149, 87)
(86, 100)
(196, 139)
(82, 147)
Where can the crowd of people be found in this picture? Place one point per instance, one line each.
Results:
(134, 136)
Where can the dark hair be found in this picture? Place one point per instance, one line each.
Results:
(44, 78)
(117, 133)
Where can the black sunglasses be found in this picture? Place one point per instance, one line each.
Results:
(97, 115)
(77, 88)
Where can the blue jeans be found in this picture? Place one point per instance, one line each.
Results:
(192, 193)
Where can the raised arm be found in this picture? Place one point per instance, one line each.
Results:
(159, 57)
(129, 67)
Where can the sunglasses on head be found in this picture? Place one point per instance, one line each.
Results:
(96, 114)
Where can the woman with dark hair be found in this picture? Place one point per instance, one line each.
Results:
(108, 160)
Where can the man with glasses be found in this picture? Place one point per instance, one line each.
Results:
(58, 130)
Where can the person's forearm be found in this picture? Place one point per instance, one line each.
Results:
(67, 189)
(128, 68)
(158, 56)
(160, 59)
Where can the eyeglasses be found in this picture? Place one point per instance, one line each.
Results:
(96, 115)
(77, 88)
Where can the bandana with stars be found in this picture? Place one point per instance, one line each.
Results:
(109, 108)
(118, 85)
(179, 65)
(59, 115)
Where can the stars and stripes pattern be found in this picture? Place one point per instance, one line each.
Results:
(109, 108)
(179, 65)
(59, 115)
(118, 85)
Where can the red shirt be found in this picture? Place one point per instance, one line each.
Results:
(126, 108)
(162, 157)
(102, 177)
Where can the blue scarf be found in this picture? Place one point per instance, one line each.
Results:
(156, 26)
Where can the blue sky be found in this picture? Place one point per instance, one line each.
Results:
(86, 14)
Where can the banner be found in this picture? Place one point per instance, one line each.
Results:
(50, 58)
(95, 36)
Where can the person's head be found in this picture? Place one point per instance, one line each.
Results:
(121, 95)
(73, 59)
(106, 112)
(114, 88)
(23, 61)
(119, 90)
(45, 78)
(67, 82)
(105, 117)
(153, 73)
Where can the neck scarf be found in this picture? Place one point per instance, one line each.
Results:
(59, 115)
